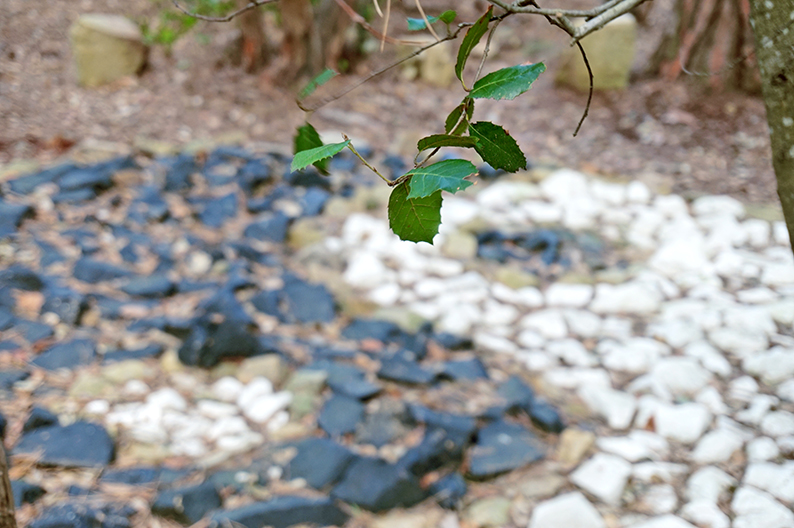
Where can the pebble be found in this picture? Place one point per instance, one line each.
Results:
(571, 510)
(717, 446)
(616, 407)
(604, 476)
(762, 449)
(568, 295)
(684, 422)
(756, 509)
(708, 483)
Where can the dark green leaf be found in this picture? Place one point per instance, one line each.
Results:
(414, 219)
(418, 24)
(318, 81)
(497, 147)
(448, 16)
(454, 118)
(308, 138)
(444, 140)
(507, 83)
(307, 157)
(445, 175)
(472, 38)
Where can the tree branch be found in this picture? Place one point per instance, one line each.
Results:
(590, 95)
(599, 21)
(254, 4)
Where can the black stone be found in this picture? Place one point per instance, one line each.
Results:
(439, 448)
(313, 201)
(383, 331)
(359, 389)
(28, 183)
(267, 302)
(76, 196)
(338, 373)
(453, 342)
(3, 425)
(377, 486)
(398, 369)
(86, 178)
(39, 417)
(319, 461)
(253, 174)
(8, 345)
(450, 422)
(466, 369)
(486, 172)
(218, 210)
(21, 278)
(49, 254)
(308, 177)
(449, 490)
(247, 252)
(7, 319)
(379, 429)
(503, 446)
(179, 170)
(67, 304)
(545, 416)
(340, 415)
(283, 512)
(235, 479)
(66, 355)
(151, 351)
(396, 165)
(81, 444)
(81, 515)
(25, 492)
(93, 271)
(272, 228)
(134, 476)
(9, 377)
(128, 253)
(187, 505)
(209, 342)
(33, 331)
(150, 287)
(305, 303)
(516, 394)
(77, 491)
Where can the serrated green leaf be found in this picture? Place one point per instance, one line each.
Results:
(448, 16)
(414, 219)
(418, 24)
(445, 140)
(472, 38)
(308, 157)
(454, 118)
(507, 83)
(307, 138)
(318, 81)
(447, 175)
(497, 147)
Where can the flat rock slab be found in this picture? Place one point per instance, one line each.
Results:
(503, 446)
(81, 444)
(66, 355)
(187, 505)
(320, 462)
(282, 512)
(376, 485)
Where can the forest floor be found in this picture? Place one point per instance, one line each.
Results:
(672, 135)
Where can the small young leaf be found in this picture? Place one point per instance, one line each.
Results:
(472, 38)
(307, 157)
(418, 24)
(507, 83)
(454, 118)
(497, 147)
(445, 175)
(448, 16)
(318, 81)
(444, 140)
(414, 219)
(308, 138)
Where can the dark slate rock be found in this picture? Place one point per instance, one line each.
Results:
(516, 394)
(134, 476)
(450, 422)
(25, 492)
(503, 446)
(179, 169)
(396, 164)
(332, 352)
(247, 252)
(66, 355)
(77, 491)
(8, 345)
(313, 201)
(236, 479)
(7, 319)
(151, 351)
(267, 302)
(545, 416)
(21, 278)
(94, 271)
(253, 174)
(319, 461)
(377, 486)
(33, 331)
(360, 389)
(283, 512)
(272, 228)
(380, 429)
(383, 331)
(340, 415)
(11, 376)
(308, 177)
(96, 177)
(150, 287)
(11, 217)
(128, 253)
(187, 286)
(39, 417)
(338, 373)
(67, 304)
(209, 342)
(3, 425)
(49, 254)
(438, 448)
(453, 342)
(218, 210)
(306, 303)
(28, 183)
(449, 490)
(545, 240)
(187, 505)
(76, 196)
(81, 515)
(486, 172)
(398, 369)
(81, 444)
(150, 205)
(466, 369)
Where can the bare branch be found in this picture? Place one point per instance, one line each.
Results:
(593, 24)
(361, 21)
(521, 7)
(254, 4)
(590, 95)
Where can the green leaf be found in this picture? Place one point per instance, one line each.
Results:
(445, 175)
(507, 83)
(454, 117)
(318, 81)
(418, 24)
(497, 147)
(305, 158)
(448, 16)
(308, 138)
(444, 140)
(472, 38)
(414, 219)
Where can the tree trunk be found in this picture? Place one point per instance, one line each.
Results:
(254, 44)
(774, 43)
(7, 518)
(711, 38)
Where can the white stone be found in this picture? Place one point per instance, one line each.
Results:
(760, 405)
(459, 319)
(616, 407)
(573, 378)
(760, 295)
(572, 352)
(780, 233)
(149, 433)
(628, 298)
(498, 314)
(227, 389)
(708, 483)
(530, 339)
(743, 389)
(757, 509)
(385, 294)
(190, 447)
(583, 323)
(777, 479)
(617, 327)
(786, 445)
(717, 446)
(233, 425)
(778, 274)
(762, 449)
(97, 407)
(262, 409)
(709, 357)
(279, 420)
(739, 342)
(751, 318)
(548, 323)
(506, 294)
(713, 205)
(256, 388)
(613, 194)
(503, 194)
(636, 355)
(240, 443)
(444, 267)
(603, 476)
(365, 270)
(569, 295)
(564, 184)
(671, 205)
(542, 212)
(711, 398)
(456, 211)
(782, 311)
(653, 472)
(659, 499)
(494, 343)
(637, 445)
(665, 521)
(682, 376)
(571, 510)
(772, 366)
(530, 297)
(778, 423)
(685, 422)
(537, 361)
(758, 232)
(705, 514)
(638, 192)
(786, 390)
(215, 409)
(135, 388)
(677, 332)
(166, 398)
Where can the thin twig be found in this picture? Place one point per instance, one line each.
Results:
(254, 4)
(377, 8)
(485, 52)
(534, 10)
(424, 161)
(427, 22)
(385, 25)
(361, 21)
(361, 158)
(590, 95)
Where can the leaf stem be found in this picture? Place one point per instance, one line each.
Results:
(370, 167)
(487, 49)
